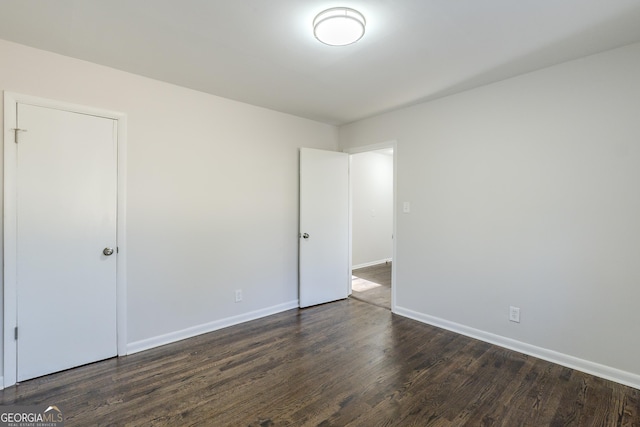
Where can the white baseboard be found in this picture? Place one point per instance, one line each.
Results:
(370, 264)
(603, 371)
(1, 383)
(193, 331)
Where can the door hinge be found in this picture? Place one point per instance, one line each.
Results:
(15, 134)
(15, 333)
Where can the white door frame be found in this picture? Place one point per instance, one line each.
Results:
(10, 237)
(363, 149)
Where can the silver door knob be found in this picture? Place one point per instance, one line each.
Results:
(107, 251)
(305, 236)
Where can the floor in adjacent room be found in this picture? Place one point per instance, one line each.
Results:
(373, 285)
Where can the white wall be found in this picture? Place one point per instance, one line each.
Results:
(212, 201)
(527, 193)
(371, 208)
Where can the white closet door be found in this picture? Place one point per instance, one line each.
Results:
(66, 227)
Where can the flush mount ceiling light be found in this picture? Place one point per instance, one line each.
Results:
(339, 26)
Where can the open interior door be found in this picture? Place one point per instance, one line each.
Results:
(324, 226)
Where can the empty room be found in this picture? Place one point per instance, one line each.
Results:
(182, 221)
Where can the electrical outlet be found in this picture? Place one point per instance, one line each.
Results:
(238, 295)
(514, 314)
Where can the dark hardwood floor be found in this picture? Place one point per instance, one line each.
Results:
(380, 274)
(341, 364)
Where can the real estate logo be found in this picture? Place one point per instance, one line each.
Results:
(31, 416)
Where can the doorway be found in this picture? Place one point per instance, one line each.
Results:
(372, 173)
(64, 236)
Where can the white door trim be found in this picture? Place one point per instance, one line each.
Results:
(363, 149)
(10, 238)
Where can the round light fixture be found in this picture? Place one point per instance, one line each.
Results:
(339, 26)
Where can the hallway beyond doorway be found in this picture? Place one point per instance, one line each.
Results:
(365, 280)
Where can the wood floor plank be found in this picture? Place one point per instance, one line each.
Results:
(341, 364)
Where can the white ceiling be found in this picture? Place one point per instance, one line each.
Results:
(263, 52)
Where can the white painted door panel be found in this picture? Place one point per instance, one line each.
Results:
(66, 216)
(324, 218)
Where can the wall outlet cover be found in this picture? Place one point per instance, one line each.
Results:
(514, 314)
